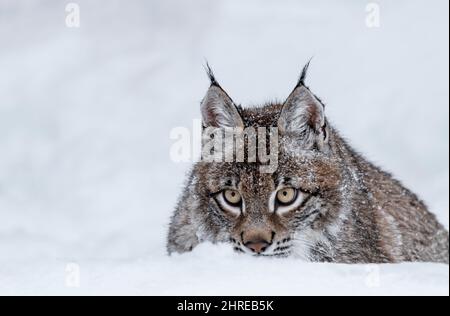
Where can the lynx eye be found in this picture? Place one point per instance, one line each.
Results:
(286, 196)
(232, 197)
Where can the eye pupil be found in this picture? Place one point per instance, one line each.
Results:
(287, 196)
(232, 197)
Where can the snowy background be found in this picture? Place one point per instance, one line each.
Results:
(85, 116)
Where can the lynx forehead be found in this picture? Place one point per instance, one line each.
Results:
(324, 202)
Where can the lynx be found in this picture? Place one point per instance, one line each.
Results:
(323, 203)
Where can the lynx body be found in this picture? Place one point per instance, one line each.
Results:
(324, 202)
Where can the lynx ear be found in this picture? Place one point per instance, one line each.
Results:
(303, 115)
(218, 110)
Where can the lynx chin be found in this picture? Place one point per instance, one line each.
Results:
(323, 203)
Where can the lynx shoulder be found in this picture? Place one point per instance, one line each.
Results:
(323, 202)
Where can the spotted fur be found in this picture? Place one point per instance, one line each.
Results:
(353, 212)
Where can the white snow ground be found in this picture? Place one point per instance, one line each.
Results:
(85, 116)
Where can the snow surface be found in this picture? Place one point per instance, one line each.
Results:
(85, 116)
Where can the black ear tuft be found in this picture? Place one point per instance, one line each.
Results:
(211, 76)
(218, 109)
(301, 80)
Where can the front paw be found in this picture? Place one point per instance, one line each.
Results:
(181, 243)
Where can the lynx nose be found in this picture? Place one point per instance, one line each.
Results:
(258, 246)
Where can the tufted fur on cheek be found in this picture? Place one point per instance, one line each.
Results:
(351, 211)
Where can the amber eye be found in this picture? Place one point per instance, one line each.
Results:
(286, 196)
(232, 197)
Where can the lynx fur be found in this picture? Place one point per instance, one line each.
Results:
(346, 210)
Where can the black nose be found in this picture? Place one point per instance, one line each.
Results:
(257, 246)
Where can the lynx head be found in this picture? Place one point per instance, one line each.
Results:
(270, 214)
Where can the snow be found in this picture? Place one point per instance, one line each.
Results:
(86, 114)
(216, 270)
